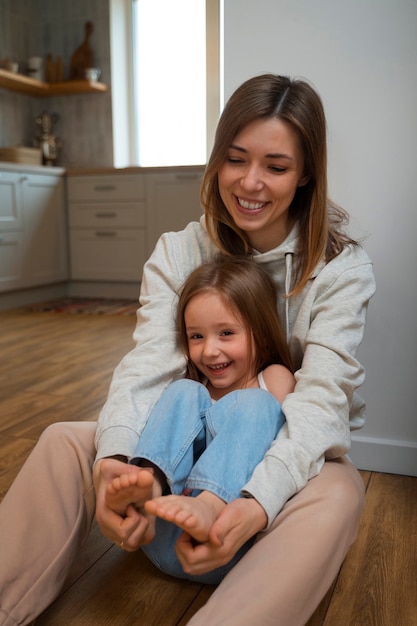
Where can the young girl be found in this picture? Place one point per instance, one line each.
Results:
(206, 435)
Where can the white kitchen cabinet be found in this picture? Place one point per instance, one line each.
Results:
(11, 229)
(11, 209)
(107, 220)
(45, 258)
(173, 200)
(33, 243)
(11, 255)
(116, 219)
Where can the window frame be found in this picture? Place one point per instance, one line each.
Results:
(122, 80)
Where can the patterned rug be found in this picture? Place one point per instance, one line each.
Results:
(91, 306)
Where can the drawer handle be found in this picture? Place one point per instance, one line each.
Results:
(106, 214)
(104, 187)
(106, 233)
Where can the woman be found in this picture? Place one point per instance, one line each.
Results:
(265, 194)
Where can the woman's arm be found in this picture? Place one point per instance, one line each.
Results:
(238, 522)
(326, 333)
(143, 373)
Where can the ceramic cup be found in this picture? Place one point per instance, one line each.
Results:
(92, 74)
(12, 66)
(35, 65)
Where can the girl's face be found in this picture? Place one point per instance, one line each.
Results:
(218, 344)
(259, 178)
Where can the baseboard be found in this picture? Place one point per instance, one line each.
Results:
(24, 297)
(384, 455)
(73, 289)
(90, 289)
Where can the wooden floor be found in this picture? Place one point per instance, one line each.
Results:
(56, 367)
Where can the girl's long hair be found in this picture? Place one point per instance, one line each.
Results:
(320, 220)
(250, 292)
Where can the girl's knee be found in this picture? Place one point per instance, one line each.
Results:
(185, 386)
(260, 407)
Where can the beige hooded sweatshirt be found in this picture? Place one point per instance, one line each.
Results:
(324, 324)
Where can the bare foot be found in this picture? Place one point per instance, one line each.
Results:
(194, 515)
(131, 488)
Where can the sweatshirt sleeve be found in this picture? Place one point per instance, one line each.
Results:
(145, 371)
(327, 331)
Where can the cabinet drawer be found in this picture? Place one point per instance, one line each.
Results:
(100, 188)
(107, 254)
(11, 252)
(11, 217)
(107, 215)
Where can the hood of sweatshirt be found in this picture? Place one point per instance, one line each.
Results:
(280, 262)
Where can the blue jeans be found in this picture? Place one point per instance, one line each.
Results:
(204, 445)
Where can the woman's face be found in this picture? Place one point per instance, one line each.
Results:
(259, 178)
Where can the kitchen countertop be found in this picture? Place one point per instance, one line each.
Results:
(95, 171)
(8, 166)
(98, 171)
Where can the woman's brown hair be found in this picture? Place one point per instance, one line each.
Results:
(250, 292)
(319, 219)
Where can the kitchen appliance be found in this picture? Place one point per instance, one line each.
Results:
(46, 139)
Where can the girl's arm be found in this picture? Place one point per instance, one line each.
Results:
(279, 381)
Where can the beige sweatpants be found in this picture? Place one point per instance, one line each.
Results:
(48, 512)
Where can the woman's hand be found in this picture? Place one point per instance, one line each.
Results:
(128, 531)
(238, 522)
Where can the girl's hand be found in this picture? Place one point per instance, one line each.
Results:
(128, 531)
(238, 522)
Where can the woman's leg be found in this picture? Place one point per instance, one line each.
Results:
(44, 518)
(284, 576)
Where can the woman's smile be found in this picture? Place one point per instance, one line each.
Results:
(250, 205)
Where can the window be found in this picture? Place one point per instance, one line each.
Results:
(165, 80)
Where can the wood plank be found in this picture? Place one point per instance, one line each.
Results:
(120, 589)
(199, 601)
(13, 453)
(378, 582)
(57, 367)
(57, 353)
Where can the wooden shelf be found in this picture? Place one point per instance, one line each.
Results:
(32, 87)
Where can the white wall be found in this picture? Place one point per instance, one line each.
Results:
(361, 55)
